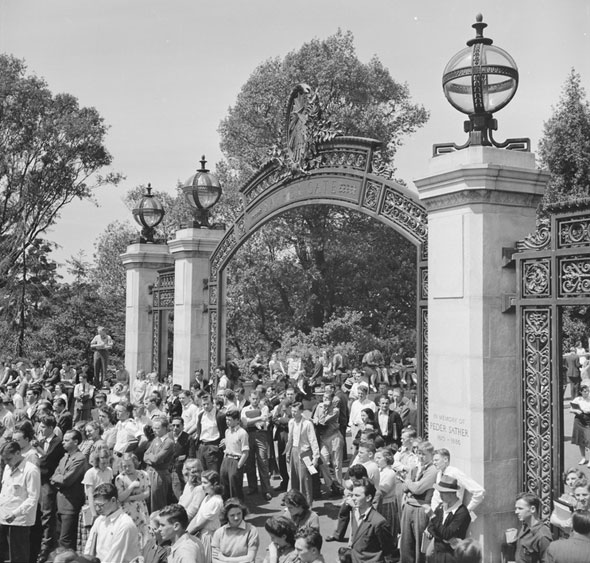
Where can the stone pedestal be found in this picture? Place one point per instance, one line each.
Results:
(191, 249)
(142, 262)
(479, 200)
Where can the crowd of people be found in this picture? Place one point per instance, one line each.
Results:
(148, 471)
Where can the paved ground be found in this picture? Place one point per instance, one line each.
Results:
(261, 510)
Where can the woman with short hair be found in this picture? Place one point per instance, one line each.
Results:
(298, 510)
(207, 519)
(282, 540)
(237, 539)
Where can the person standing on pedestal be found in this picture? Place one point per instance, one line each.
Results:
(101, 344)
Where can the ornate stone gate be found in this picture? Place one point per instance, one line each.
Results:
(553, 270)
(346, 172)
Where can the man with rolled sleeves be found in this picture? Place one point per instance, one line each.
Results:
(236, 453)
(21, 486)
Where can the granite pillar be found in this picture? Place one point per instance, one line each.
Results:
(479, 201)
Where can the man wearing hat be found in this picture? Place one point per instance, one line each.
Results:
(449, 522)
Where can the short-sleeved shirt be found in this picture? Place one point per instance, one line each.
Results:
(236, 441)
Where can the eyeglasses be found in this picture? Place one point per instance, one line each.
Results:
(176, 425)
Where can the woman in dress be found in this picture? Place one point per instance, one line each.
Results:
(193, 494)
(107, 418)
(92, 431)
(282, 540)
(237, 539)
(133, 487)
(580, 407)
(207, 520)
(298, 510)
(139, 388)
(385, 499)
(99, 473)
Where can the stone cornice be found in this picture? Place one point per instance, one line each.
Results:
(482, 183)
(150, 256)
(194, 242)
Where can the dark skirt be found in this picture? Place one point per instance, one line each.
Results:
(580, 434)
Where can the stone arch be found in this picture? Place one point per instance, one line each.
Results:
(346, 173)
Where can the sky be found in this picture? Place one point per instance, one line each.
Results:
(163, 73)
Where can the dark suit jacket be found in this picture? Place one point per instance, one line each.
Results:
(68, 482)
(180, 445)
(65, 421)
(454, 527)
(371, 542)
(576, 549)
(49, 461)
(160, 453)
(394, 428)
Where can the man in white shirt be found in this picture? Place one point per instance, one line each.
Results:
(21, 487)
(172, 525)
(113, 536)
(254, 419)
(442, 460)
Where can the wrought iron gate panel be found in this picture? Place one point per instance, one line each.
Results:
(553, 270)
(162, 304)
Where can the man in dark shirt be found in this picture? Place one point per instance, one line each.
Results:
(67, 479)
(50, 452)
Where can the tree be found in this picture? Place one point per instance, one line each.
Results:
(107, 272)
(313, 264)
(564, 149)
(51, 151)
(30, 280)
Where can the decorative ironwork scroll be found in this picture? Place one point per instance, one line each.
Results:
(424, 355)
(554, 267)
(537, 430)
(162, 303)
(574, 276)
(539, 239)
(573, 232)
(536, 278)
